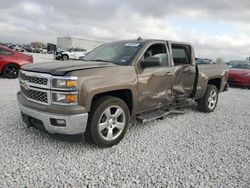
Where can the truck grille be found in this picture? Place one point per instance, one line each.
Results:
(33, 80)
(35, 95)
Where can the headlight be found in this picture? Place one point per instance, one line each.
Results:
(64, 98)
(67, 83)
(64, 90)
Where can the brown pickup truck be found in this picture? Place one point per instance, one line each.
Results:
(117, 81)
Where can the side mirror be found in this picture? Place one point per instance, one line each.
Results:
(151, 62)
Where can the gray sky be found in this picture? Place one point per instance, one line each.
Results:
(215, 28)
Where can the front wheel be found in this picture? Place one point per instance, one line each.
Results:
(209, 102)
(11, 71)
(108, 121)
(65, 57)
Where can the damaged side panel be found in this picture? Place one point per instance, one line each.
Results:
(183, 82)
(154, 87)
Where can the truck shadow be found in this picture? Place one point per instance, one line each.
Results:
(68, 138)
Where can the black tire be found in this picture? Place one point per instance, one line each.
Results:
(97, 113)
(209, 102)
(65, 57)
(11, 71)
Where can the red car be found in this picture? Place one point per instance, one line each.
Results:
(239, 73)
(11, 61)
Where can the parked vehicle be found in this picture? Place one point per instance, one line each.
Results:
(239, 73)
(72, 53)
(145, 79)
(11, 61)
(201, 61)
(51, 47)
(16, 47)
(28, 48)
(58, 54)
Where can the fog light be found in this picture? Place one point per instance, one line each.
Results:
(58, 122)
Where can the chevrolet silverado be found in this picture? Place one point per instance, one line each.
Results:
(117, 81)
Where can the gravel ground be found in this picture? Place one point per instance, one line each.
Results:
(194, 149)
(190, 150)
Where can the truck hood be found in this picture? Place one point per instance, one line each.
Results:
(62, 67)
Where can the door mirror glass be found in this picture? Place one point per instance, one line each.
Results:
(151, 62)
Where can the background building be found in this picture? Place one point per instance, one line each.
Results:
(71, 42)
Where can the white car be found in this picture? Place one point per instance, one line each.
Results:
(73, 53)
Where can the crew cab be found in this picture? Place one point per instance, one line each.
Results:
(117, 81)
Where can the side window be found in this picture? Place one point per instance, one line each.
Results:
(157, 50)
(5, 52)
(180, 55)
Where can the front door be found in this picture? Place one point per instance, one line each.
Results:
(155, 83)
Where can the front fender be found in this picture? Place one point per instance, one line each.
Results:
(102, 80)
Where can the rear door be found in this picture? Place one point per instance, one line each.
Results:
(185, 71)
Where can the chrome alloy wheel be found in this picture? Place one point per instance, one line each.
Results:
(212, 99)
(111, 123)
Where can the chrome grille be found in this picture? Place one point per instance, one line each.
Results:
(33, 79)
(35, 95)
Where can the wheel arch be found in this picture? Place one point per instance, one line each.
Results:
(216, 82)
(124, 94)
(65, 55)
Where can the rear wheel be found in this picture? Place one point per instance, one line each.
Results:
(209, 102)
(11, 71)
(108, 121)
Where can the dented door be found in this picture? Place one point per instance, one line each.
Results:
(185, 70)
(184, 78)
(154, 87)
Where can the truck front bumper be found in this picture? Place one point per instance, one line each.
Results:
(54, 123)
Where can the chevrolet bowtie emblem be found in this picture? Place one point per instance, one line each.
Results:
(26, 85)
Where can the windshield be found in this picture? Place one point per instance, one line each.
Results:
(240, 66)
(120, 53)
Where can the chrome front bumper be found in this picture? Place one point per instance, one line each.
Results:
(74, 124)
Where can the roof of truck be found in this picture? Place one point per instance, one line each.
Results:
(151, 40)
